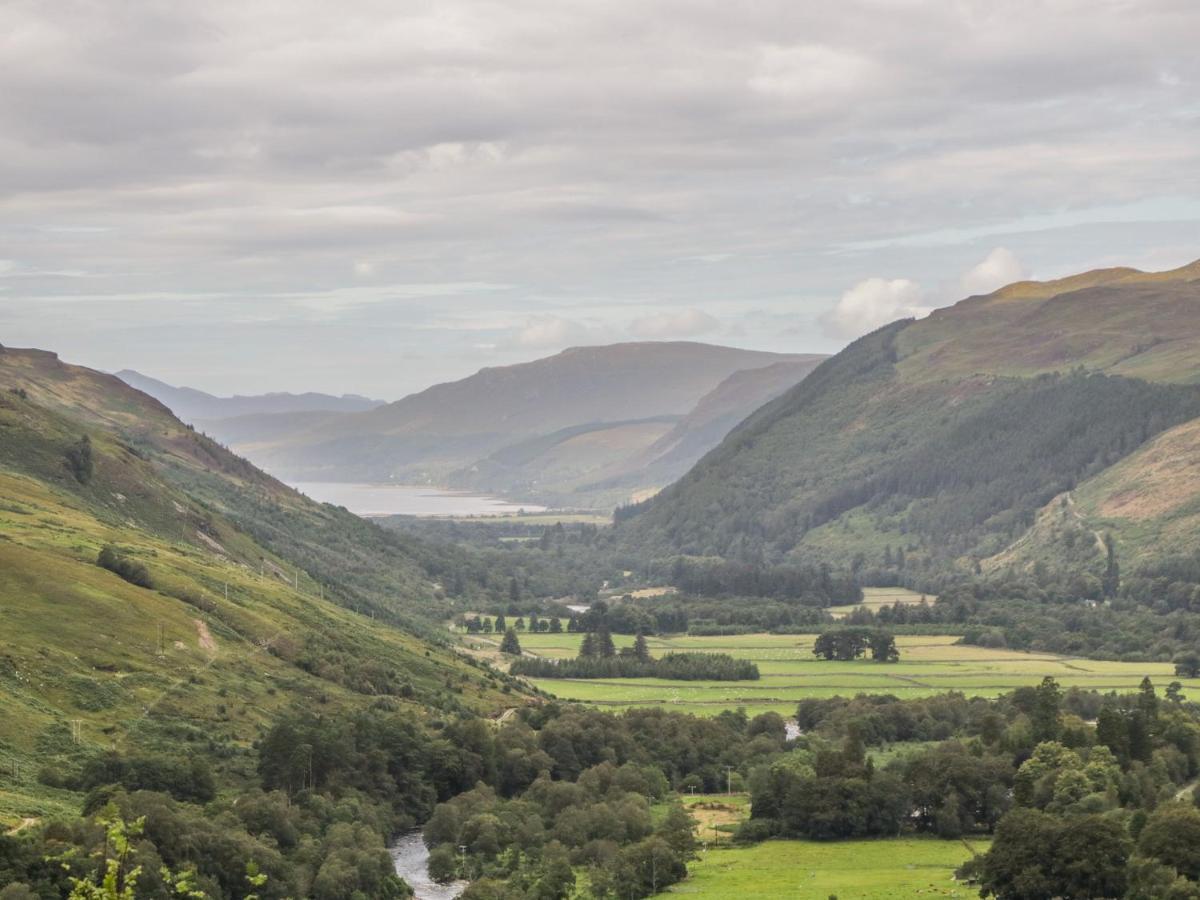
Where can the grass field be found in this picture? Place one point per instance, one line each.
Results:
(929, 664)
(874, 598)
(851, 870)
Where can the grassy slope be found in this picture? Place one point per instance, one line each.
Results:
(926, 389)
(81, 644)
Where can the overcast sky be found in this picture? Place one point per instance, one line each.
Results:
(375, 196)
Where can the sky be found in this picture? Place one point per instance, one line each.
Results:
(372, 197)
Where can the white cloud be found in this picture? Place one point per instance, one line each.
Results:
(872, 303)
(550, 332)
(684, 324)
(998, 268)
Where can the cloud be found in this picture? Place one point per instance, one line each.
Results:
(684, 324)
(610, 162)
(550, 333)
(998, 268)
(873, 303)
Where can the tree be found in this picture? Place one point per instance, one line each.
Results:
(500, 624)
(1172, 836)
(587, 647)
(883, 647)
(604, 644)
(80, 460)
(1046, 706)
(1019, 865)
(1112, 731)
(679, 831)
(1112, 571)
(510, 644)
(555, 625)
(640, 649)
(1175, 693)
(1147, 701)
(1187, 664)
(514, 590)
(1091, 855)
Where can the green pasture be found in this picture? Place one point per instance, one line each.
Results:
(929, 664)
(863, 870)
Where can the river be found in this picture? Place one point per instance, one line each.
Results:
(371, 500)
(411, 858)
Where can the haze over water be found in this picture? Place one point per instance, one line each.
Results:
(373, 500)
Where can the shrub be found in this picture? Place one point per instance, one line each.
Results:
(131, 570)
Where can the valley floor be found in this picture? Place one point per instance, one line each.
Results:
(807, 870)
(929, 664)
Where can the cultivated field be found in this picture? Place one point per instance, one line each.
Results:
(929, 664)
(863, 870)
(874, 598)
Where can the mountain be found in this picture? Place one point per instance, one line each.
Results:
(195, 406)
(604, 464)
(223, 599)
(632, 391)
(1028, 427)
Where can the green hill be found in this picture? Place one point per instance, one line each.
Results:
(251, 600)
(943, 444)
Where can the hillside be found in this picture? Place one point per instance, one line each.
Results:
(448, 427)
(603, 465)
(945, 444)
(241, 599)
(197, 407)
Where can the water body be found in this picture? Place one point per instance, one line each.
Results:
(408, 500)
(411, 858)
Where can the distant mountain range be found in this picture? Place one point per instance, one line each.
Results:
(195, 406)
(1050, 425)
(590, 426)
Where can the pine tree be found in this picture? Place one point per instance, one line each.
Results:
(587, 647)
(1046, 710)
(510, 644)
(640, 649)
(555, 625)
(501, 625)
(604, 644)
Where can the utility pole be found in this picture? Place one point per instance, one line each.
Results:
(729, 779)
(227, 592)
(76, 729)
(162, 640)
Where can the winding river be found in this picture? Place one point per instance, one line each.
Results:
(411, 858)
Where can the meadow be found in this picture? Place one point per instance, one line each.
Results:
(929, 664)
(876, 597)
(864, 870)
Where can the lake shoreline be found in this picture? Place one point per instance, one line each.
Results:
(382, 500)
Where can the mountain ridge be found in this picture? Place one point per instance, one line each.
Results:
(945, 436)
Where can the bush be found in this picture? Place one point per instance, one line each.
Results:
(132, 571)
(752, 831)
